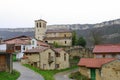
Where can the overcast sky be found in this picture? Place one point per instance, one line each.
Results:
(22, 13)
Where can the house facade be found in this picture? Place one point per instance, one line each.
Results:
(107, 51)
(100, 68)
(21, 44)
(46, 58)
(62, 37)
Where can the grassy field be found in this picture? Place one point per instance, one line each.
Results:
(7, 76)
(48, 74)
(78, 76)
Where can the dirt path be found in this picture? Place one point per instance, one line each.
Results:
(26, 74)
(64, 75)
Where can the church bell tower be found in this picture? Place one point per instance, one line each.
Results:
(40, 29)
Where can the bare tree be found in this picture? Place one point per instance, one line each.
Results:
(96, 37)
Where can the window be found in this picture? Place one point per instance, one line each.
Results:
(49, 55)
(44, 66)
(57, 66)
(64, 56)
(65, 42)
(104, 56)
(32, 42)
(23, 47)
(37, 24)
(46, 41)
(113, 55)
(64, 35)
(40, 24)
(57, 55)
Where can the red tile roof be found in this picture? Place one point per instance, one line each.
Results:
(40, 43)
(18, 40)
(58, 50)
(106, 48)
(94, 62)
(37, 49)
(19, 37)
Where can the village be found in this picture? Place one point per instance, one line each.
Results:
(53, 50)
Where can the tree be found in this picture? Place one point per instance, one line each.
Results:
(81, 41)
(96, 37)
(74, 38)
(55, 44)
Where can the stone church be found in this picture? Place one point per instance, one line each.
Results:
(62, 37)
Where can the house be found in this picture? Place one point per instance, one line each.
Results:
(23, 43)
(7, 47)
(100, 68)
(19, 43)
(62, 37)
(107, 51)
(46, 58)
(62, 58)
(6, 61)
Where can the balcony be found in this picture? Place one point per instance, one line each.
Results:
(50, 59)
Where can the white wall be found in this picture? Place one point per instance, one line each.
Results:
(27, 47)
(3, 47)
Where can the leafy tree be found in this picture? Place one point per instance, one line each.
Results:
(74, 38)
(55, 44)
(81, 41)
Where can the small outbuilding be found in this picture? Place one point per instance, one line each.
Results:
(6, 62)
(100, 68)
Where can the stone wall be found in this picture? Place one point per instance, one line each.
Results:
(111, 71)
(107, 55)
(44, 59)
(65, 34)
(61, 42)
(63, 60)
(98, 74)
(80, 52)
(85, 71)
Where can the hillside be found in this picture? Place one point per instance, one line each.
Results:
(108, 30)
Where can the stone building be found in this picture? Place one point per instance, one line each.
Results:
(100, 68)
(46, 58)
(62, 37)
(107, 51)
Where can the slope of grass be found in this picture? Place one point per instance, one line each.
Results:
(48, 74)
(9, 76)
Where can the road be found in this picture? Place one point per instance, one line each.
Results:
(64, 75)
(26, 74)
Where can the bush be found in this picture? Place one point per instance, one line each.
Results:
(78, 76)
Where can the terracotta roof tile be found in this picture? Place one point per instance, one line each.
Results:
(42, 44)
(58, 50)
(37, 49)
(19, 37)
(106, 48)
(18, 40)
(94, 62)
